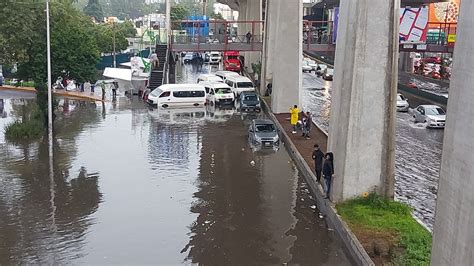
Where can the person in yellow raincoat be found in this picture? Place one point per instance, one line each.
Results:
(294, 117)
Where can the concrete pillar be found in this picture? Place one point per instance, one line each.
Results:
(362, 126)
(268, 54)
(453, 237)
(287, 75)
(405, 62)
(253, 12)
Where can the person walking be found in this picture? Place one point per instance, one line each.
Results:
(92, 88)
(294, 117)
(114, 89)
(248, 36)
(318, 157)
(328, 172)
(102, 86)
(309, 121)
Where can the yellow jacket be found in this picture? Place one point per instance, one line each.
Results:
(294, 115)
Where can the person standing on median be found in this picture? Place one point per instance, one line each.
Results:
(328, 172)
(318, 157)
(309, 121)
(294, 117)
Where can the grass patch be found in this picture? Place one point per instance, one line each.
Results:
(29, 127)
(410, 243)
(24, 130)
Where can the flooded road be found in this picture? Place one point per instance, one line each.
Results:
(134, 185)
(418, 150)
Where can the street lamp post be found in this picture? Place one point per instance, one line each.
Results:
(50, 100)
(113, 29)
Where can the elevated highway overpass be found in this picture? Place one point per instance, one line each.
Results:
(362, 128)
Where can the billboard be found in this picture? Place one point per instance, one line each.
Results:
(446, 12)
(413, 24)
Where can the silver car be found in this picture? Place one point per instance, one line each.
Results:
(263, 132)
(433, 115)
(402, 103)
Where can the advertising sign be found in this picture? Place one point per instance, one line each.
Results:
(336, 21)
(445, 12)
(413, 24)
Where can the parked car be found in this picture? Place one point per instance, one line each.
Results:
(249, 102)
(263, 132)
(218, 93)
(402, 103)
(433, 115)
(328, 74)
(215, 58)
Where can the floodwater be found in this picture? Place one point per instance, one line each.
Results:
(133, 185)
(418, 150)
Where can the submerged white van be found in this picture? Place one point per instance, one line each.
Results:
(218, 93)
(224, 74)
(178, 95)
(240, 84)
(209, 78)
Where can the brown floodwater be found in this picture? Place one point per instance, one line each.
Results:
(133, 185)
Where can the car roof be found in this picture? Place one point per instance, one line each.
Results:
(214, 84)
(228, 73)
(263, 121)
(207, 76)
(239, 78)
(249, 93)
(185, 86)
(430, 106)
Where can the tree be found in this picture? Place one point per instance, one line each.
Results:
(217, 16)
(104, 35)
(74, 51)
(178, 12)
(94, 9)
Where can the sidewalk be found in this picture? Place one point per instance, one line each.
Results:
(68, 94)
(304, 146)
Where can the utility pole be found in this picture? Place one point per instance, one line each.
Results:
(204, 7)
(113, 29)
(168, 20)
(48, 56)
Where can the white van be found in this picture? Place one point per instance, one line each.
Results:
(209, 78)
(175, 95)
(240, 84)
(218, 93)
(224, 74)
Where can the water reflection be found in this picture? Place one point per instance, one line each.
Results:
(36, 227)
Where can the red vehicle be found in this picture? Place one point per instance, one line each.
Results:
(432, 60)
(232, 61)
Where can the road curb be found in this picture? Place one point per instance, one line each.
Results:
(351, 243)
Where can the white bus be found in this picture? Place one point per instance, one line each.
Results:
(178, 95)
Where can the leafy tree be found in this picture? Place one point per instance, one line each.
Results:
(178, 12)
(94, 9)
(217, 16)
(104, 34)
(74, 51)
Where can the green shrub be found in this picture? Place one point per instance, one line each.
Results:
(24, 130)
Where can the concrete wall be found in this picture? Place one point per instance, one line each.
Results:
(268, 44)
(453, 238)
(362, 126)
(287, 75)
